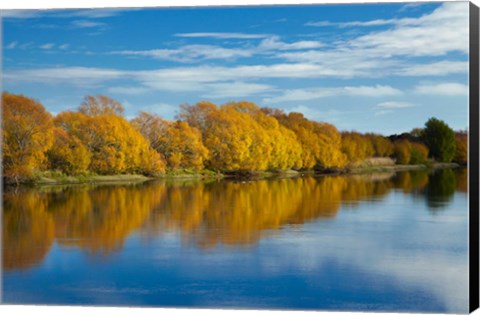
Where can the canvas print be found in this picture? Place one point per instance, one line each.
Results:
(301, 157)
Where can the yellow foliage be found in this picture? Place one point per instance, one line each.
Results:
(28, 229)
(356, 146)
(27, 134)
(402, 151)
(180, 143)
(68, 154)
(461, 152)
(382, 146)
(320, 142)
(116, 146)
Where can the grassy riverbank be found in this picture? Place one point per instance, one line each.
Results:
(375, 165)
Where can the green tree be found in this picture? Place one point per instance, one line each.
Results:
(440, 140)
(419, 153)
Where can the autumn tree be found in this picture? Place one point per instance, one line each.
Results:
(321, 142)
(100, 105)
(286, 150)
(382, 146)
(357, 146)
(116, 146)
(68, 154)
(461, 145)
(281, 149)
(419, 153)
(27, 133)
(402, 151)
(440, 139)
(180, 143)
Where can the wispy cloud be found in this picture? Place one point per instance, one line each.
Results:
(65, 13)
(86, 24)
(47, 46)
(192, 53)
(274, 43)
(439, 33)
(379, 22)
(411, 6)
(76, 76)
(393, 104)
(127, 90)
(235, 90)
(443, 89)
(440, 68)
(317, 93)
(12, 45)
(189, 53)
(222, 35)
(19, 14)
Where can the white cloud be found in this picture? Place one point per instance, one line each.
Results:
(444, 89)
(127, 90)
(25, 45)
(374, 91)
(12, 45)
(19, 14)
(411, 6)
(317, 93)
(86, 24)
(351, 24)
(77, 76)
(222, 35)
(64, 46)
(442, 31)
(47, 46)
(189, 53)
(380, 53)
(235, 90)
(64, 13)
(392, 104)
(273, 43)
(439, 68)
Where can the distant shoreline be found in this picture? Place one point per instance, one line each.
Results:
(45, 180)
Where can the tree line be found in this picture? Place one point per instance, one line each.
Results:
(233, 137)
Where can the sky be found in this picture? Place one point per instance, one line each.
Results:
(384, 68)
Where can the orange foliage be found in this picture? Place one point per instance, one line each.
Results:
(382, 146)
(116, 146)
(321, 142)
(27, 135)
(68, 154)
(357, 146)
(180, 143)
(461, 152)
(402, 151)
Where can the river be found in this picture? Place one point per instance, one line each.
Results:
(377, 242)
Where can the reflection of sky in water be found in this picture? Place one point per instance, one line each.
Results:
(385, 253)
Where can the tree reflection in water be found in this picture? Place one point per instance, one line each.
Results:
(98, 219)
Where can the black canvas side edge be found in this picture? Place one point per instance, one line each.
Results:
(474, 159)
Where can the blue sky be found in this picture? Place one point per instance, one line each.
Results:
(384, 68)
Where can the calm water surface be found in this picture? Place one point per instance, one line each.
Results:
(374, 242)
